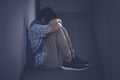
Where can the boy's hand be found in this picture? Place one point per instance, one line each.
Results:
(55, 24)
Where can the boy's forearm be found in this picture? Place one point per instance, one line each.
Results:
(55, 26)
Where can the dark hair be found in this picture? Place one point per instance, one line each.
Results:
(47, 13)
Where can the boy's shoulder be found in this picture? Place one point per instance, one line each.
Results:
(36, 22)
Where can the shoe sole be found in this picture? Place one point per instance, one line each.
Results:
(73, 69)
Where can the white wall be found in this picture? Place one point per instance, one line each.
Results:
(30, 11)
(106, 25)
(68, 5)
(13, 37)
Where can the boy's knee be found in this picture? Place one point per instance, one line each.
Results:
(60, 31)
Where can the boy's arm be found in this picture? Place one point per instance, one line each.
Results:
(55, 24)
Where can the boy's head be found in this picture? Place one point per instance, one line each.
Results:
(47, 14)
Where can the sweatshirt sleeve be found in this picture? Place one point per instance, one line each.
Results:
(40, 30)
